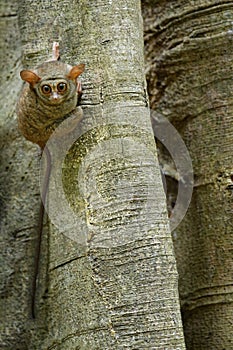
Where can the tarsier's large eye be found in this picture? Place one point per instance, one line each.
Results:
(61, 87)
(46, 89)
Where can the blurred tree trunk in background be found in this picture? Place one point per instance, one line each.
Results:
(120, 290)
(189, 50)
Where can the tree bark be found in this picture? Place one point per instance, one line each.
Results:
(189, 63)
(112, 279)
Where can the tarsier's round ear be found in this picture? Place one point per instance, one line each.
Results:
(29, 77)
(76, 71)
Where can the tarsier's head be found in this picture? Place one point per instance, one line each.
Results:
(54, 82)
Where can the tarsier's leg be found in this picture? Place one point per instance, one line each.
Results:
(55, 51)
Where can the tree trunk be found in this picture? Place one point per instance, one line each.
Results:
(189, 58)
(111, 281)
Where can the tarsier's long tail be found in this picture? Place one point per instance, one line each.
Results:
(40, 230)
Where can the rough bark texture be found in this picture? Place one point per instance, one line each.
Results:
(189, 47)
(119, 291)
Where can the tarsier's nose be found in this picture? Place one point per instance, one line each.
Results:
(55, 95)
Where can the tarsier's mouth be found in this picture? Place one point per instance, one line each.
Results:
(53, 102)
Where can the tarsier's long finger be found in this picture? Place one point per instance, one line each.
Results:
(55, 51)
(79, 88)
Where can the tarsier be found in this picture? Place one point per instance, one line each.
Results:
(51, 96)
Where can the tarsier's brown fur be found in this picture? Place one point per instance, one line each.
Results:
(38, 117)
